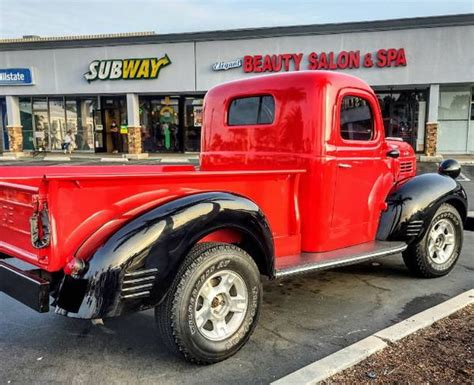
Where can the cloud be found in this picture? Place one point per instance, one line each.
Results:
(72, 17)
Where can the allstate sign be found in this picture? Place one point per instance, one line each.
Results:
(16, 77)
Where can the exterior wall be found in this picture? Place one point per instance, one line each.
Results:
(434, 55)
(61, 71)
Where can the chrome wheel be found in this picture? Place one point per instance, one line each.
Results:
(441, 241)
(221, 305)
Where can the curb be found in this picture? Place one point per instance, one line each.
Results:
(56, 158)
(114, 160)
(355, 353)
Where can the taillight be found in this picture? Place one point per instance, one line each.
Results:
(75, 267)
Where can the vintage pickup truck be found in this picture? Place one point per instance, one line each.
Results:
(295, 176)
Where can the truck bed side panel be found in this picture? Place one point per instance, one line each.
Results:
(84, 204)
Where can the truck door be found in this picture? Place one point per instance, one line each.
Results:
(360, 169)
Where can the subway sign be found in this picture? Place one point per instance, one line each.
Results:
(16, 77)
(126, 69)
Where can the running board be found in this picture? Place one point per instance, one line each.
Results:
(309, 262)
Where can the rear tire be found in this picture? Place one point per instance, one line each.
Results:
(213, 304)
(437, 252)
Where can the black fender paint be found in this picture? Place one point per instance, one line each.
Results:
(158, 241)
(415, 201)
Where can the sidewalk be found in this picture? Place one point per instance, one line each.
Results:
(439, 354)
(463, 159)
(357, 362)
(78, 157)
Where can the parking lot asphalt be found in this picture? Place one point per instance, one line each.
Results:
(303, 319)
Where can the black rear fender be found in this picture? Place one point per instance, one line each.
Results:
(412, 205)
(135, 267)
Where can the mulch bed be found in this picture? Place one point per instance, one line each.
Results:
(440, 354)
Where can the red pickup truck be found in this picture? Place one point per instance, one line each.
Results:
(295, 176)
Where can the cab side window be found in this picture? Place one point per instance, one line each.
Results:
(252, 110)
(356, 119)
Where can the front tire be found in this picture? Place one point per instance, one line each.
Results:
(213, 304)
(437, 252)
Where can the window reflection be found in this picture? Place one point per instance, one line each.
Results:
(46, 120)
(193, 108)
(159, 118)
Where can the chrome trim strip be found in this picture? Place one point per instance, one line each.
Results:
(136, 295)
(141, 272)
(138, 280)
(340, 262)
(135, 288)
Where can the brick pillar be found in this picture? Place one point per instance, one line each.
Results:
(431, 138)
(135, 140)
(15, 137)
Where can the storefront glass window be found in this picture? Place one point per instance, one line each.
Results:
(159, 118)
(454, 134)
(472, 104)
(402, 114)
(80, 121)
(85, 122)
(57, 123)
(46, 121)
(454, 104)
(192, 124)
(26, 117)
(40, 124)
(3, 125)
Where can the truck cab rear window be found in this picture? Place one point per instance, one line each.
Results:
(251, 110)
(357, 121)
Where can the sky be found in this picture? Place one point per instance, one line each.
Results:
(83, 17)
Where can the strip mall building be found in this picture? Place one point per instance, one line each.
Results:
(153, 85)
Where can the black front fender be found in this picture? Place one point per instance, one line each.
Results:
(134, 269)
(412, 205)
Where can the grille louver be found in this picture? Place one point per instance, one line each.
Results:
(406, 167)
(414, 228)
(138, 283)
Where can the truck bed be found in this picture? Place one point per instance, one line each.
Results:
(92, 202)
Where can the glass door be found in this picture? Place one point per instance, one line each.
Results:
(159, 118)
(114, 110)
(192, 123)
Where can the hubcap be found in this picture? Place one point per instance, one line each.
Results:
(221, 305)
(441, 241)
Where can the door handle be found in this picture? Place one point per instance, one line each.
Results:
(344, 165)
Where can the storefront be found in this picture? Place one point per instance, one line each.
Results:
(151, 87)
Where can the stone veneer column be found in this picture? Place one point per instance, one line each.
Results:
(15, 138)
(431, 138)
(135, 140)
(134, 129)
(14, 128)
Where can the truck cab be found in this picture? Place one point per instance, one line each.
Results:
(325, 123)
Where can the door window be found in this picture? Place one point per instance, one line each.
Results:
(356, 119)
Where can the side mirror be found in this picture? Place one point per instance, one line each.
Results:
(393, 153)
(450, 167)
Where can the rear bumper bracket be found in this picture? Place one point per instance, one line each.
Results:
(25, 287)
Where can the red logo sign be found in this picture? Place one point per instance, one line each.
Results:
(392, 57)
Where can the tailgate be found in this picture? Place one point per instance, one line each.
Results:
(19, 205)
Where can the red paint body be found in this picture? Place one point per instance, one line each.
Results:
(289, 168)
